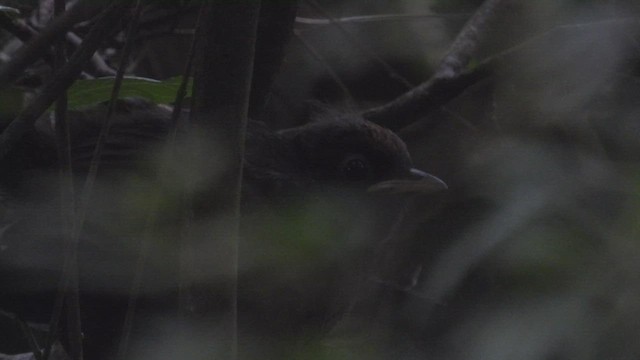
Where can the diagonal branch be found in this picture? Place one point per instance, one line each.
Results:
(63, 79)
(39, 46)
(17, 28)
(450, 79)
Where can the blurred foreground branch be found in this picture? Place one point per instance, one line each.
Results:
(223, 75)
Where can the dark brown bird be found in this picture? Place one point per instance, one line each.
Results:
(343, 151)
(335, 151)
(333, 156)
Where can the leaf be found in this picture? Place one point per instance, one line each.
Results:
(84, 93)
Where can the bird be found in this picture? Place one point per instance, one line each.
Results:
(288, 175)
(339, 151)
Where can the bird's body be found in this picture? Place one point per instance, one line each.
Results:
(296, 251)
(318, 153)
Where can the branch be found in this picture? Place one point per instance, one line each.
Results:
(390, 71)
(439, 90)
(450, 79)
(99, 64)
(17, 28)
(39, 46)
(63, 79)
(378, 18)
(426, 97)
(468, 41)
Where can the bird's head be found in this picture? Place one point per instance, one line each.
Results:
(353, 152)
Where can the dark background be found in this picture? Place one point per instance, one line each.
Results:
(533, 251)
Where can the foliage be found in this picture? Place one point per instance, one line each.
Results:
(85, 93)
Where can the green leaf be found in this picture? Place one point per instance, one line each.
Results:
(84, 93)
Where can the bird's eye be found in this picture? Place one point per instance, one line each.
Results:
(355, 168)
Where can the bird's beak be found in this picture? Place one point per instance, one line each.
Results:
(426, 177)
(420, 182)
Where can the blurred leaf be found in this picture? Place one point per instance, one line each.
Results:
(85, 93)
(473, 64)
(544, 257)
(307, 235)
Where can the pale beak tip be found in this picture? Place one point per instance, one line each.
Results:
(420, 182)
(434, 180)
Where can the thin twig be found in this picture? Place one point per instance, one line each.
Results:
(13, 133)
(393, 74)
(441, 89)
(328, 69)
(450, 79)
(62, 80)
(187, 73)
(221, 93)
(17, 28)
(93, 172)
(379, 18)
(31, 339)
(275, 27)
(67, 202)
(104, 130)
(426, 97)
